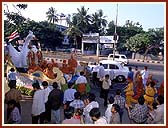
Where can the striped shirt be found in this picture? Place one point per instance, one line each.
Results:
(120, 101)
(139, 113)
(77, 104)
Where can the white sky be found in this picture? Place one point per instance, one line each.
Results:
(150, 15)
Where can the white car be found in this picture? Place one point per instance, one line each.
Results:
(115, 69)
(121, 58)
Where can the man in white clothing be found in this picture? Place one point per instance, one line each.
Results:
(38, 106)
(95, 115)
(90, 103)
(108, 113)
(145, 75)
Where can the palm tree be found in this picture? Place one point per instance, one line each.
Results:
(73, 32)
(51, 15)
(82, 19)
(98, 21)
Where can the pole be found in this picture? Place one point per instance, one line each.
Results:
(115, 34)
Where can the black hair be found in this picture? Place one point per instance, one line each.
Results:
(77, 95)
(130, 68)
(68, 113)
(116, 107)
(11, 102)
(95, 112)
(111, 100)
(107, 75)
(141, 100)
(154, 105)
(160, 99)
(91, 97)
(45, 83)
(81, 73)
(55, 85)
(36, 85)
(118, 92)
(12, 69)
(152, 84)
(70, 84)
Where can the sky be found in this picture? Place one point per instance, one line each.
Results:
(149, 15)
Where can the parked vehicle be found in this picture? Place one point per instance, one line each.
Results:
(121, 58)
(116, 70)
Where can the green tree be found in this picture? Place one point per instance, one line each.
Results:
(98, 22)
(81, 19)
(52, 15)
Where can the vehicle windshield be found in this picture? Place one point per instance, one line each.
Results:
(105, 66)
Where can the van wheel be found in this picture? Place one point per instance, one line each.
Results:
(120, 78)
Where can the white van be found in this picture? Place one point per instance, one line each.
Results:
(121, 58)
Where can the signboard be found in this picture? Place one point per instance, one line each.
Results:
(106, 39)
(90, 38)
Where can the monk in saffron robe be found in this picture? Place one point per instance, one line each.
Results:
(72, 64)
(39, 57)
(150, 91)
(31, 58)
(65, 68)
(129, 93)
(139, 87)
(49, 71)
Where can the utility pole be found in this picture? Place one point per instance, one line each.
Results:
(115, 34)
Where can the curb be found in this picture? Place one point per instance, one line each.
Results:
(150, 61)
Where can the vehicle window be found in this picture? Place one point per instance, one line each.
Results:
(105, 66)
(112, 66)
(123, 57)
(117, 57)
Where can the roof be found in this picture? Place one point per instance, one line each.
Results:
(109, 62)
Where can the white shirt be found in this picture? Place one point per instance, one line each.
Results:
(145, 75)
(69, 95)
(108, 113)
(106, 84)
(101, 72)
(87, 109)
(81, 79)
(159, 118)
(101, 120)
(46, 93)
(38, 105)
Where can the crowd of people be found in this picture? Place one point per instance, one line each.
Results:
(144, 103)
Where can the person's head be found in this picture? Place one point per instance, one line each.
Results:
(101, 64)
(107, 76)
(145, 67)
(81, 73)
(45, 84)
(55, 85)
(154, 105)
(111, 100)
(12, 69)
(11, 104)
(152, 84)
(118, 92)
(77, 95)
(69, 112)
(70, 85)
(160, 99)
(94, 114)
(78, 112)
(130, 68)
(36, 86)
(115, 108)
(91, 97)
(136, 68)
(141, 100)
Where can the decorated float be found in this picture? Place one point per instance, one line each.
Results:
(32, 67)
